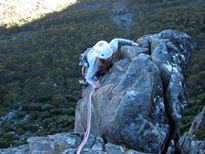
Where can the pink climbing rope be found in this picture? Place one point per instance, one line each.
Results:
(88, 122)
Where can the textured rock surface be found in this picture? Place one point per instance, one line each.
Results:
(188, 141)
(67, 143)
(143, 96)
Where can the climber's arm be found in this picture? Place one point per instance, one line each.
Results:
(90, 74)
(89, 77)
(115, 42)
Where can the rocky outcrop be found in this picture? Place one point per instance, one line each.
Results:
(67, 143)
(139, 107)
(189, 141)
(143, 96)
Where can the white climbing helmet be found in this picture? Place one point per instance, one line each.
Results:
(103, 50)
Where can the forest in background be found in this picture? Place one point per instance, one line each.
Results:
(39, 69)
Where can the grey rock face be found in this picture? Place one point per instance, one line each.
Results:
(188, 141)
(66, 143)
(143, 96)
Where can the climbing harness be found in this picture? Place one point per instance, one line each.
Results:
(88, 121)
(84, 63)
(83, 58)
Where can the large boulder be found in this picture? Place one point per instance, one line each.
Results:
(143, 96)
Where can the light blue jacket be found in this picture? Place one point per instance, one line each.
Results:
(92, 58)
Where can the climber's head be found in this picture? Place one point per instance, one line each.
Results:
(103, 50)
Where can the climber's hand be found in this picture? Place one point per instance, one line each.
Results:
(135, 44)
(97, 84)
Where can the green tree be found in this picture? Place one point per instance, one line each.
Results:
(58, 100)
(6, 126)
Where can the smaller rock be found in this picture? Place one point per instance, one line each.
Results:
(188, 141)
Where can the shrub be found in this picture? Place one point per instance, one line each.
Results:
(58, 100)
(2, 113)
(25, 126)
(65, 121)
(76, 95)
(34, 115)
(3, 143)
(19, 131)
(201, 75)
(19, 115)
(25, 106)
(200, 135)
(201, 97)
(46, 107)
(46, 122)
(10, 137)
(42, 132)
(56, 111)
(6, 126)
(31, 127)
(184, 127)
(27, 135)
(2, 134)
(16, 143)
(44, 115)
(34, 107)
(53, 131)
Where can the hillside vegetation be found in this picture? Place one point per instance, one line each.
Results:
(39, 69)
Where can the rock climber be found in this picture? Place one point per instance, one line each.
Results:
(99, 59)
